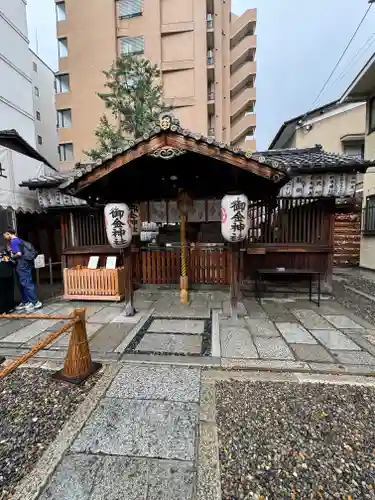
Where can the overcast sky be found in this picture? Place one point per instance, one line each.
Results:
(299, 42)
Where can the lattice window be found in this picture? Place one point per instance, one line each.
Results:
(132, 45)
(130, 8)
(369, 216)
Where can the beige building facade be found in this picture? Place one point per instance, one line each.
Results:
(338, 127)
(363, 88)
(205, 53)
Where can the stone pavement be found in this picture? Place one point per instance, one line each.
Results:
(280, 334)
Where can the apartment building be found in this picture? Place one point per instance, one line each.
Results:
(205, 53)
(16, 110)
(43, 92)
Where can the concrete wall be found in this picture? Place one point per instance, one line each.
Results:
(367, 255)
(16, 104)
(44, 79)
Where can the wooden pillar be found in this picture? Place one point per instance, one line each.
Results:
(128, 286)
(235, 278)
(184, 285)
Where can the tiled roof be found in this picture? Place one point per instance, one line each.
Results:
(11, 139)
(313, 159)
(47, 181)
(291, 161)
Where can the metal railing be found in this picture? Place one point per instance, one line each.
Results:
(49, 266)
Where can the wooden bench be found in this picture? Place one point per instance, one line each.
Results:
(280, 274)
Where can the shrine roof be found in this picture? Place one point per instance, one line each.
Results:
(11, 139)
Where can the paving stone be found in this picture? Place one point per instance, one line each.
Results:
(170, 480)
(307, 352)
(354, 357)
(181, 311)
(160, 429)
(237, 343)
(28, 332)
(208, 477)
(274, 307)
(262, 328)
(176, 326)
(110, 336)
(254, 309)
(171, 343)
(207, 403)
(327, 367)
(334, 339)
(121, 318)
(73, 478)
(341, 321)
(272, 348)
(12, 326)
(231, 322)
(295, 333)
(63, 341)
(265, 364)
(105, 315)
(212, 304)
(156, 382)
(282, 318)
(311, 320)
(227, 310)
(143, 305)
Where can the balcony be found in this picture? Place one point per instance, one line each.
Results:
(241, 101)
(211, 132)
(211, 95)
(242, 76)
(242, 127)
(243, 25)
(244, 50)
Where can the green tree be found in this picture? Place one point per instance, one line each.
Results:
(135, 100)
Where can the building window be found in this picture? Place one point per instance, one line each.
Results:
(36, 90)
(66, 152)
(250, 110)
(354, 150)
(372, 115)
(40, 140)
(250, 136)
(60, 11)
(64, 118)
(130, 8)
(132, 45)
(62, 83)
(38, 115)
(62, 45)
(210, 57)
(369, 216)
(35, 67)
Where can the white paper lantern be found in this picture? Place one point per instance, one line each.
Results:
(234, 217)
(117, 225)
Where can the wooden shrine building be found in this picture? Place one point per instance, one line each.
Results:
(291, 196)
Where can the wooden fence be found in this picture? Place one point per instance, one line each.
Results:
(347, 239)
(94, 284)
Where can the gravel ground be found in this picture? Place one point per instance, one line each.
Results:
(359, 305)
(33, 408)
(296, 441)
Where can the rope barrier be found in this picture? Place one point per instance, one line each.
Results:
(37, 316)
(37, 347)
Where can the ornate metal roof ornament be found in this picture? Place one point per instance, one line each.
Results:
(167, 153)
(167, 120)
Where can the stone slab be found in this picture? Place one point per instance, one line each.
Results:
(340, 321)
(161, 429)
(237, 343)
(28, 332)
(354, 357)
(105, 315)
(227, 310)
(91, 329)
(294, 333)
(272, 348)
(171, 343)
(176, 326)
(265, 364)
(109, 337)
(170, 480)
(121, 318)
(156, 382)
(311, 320)
(334, 339)
(181, 311)
(262, 328)
(208, 477)
(282, 318)
(315, 353)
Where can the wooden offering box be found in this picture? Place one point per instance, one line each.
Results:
(94, 284)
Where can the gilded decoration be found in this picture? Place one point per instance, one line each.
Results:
(167, 153)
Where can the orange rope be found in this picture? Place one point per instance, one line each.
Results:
(36, 316)
(37, 347)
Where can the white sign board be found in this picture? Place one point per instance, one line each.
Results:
(93, 262)
(40, 261)
(111, 262)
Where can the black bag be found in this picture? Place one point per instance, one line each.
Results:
(28, 251)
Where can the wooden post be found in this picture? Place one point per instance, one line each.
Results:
(78, 365)
(128, 285)
(234, 282)
(184, 295)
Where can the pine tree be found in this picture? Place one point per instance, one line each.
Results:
(135, 100)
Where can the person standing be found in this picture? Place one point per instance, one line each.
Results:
(24, 254)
